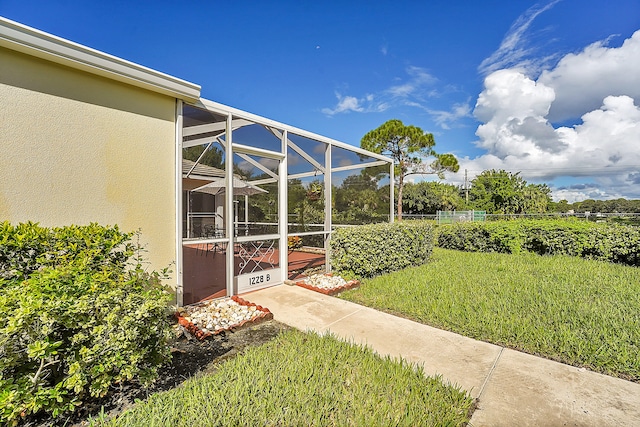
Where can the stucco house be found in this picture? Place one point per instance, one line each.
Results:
(89, 137)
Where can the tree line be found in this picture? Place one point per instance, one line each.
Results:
(493, 191)
(361, 198)
(594, 206)
(501, 192)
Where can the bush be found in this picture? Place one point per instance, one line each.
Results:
(557, 237)
(502, 237)
(370, 250)
(601, 241)
(77, 319)
(27, 247)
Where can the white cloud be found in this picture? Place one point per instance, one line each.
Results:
(367, 104)
(414, 87)
(514, 51)
(518, 136)
(598, 88)
(513, 108)
(517, 133)
(509, 93)
(345, 104)
(581, 81)
(445, 118)
(578, 193)
(412, 92)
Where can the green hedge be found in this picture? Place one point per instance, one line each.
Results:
(601, 241)
(26, 247)
(370, 250)
(78, 313)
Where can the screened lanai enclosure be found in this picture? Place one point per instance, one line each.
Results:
(260, 199)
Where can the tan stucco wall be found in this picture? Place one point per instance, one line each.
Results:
(78, 148)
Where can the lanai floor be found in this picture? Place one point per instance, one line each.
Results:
(204, 269)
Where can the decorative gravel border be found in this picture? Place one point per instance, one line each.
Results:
(201, 335)
(352, 284)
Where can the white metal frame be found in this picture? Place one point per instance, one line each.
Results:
(178, 191)
(283, 211)
(236, 119)
(327, 206)
(228, 199)
(253, 118)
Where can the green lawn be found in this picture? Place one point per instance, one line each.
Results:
(301, 379)
(581, 312)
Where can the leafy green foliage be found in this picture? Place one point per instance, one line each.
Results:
(480, 237)
(359, 200)
(502, 192)
(601, 241)
(76, 318)
(577, 311)
(303, 379)
(408, 146)
(430, 197)
(211, 156)
(27, 247)
(370, 250)
(302, 208)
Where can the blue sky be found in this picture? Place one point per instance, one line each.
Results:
(550, 88)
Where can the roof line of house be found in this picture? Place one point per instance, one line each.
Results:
(22, 38)
(28, 40)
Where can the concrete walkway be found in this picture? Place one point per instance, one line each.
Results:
(512, 388)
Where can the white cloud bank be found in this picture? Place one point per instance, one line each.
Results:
(581, 81)
(601, 86)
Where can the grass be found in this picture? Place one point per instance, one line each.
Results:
(305, 379)
(581, 312)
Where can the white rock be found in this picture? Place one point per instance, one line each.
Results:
(219, 314)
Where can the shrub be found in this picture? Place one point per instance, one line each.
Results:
(77, 319)
(370, 250)
(557, 237)
(601, 241)
(26, 247)
(502, 237)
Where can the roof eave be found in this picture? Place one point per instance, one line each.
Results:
(22, 38)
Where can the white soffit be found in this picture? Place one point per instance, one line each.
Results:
(22, 38)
